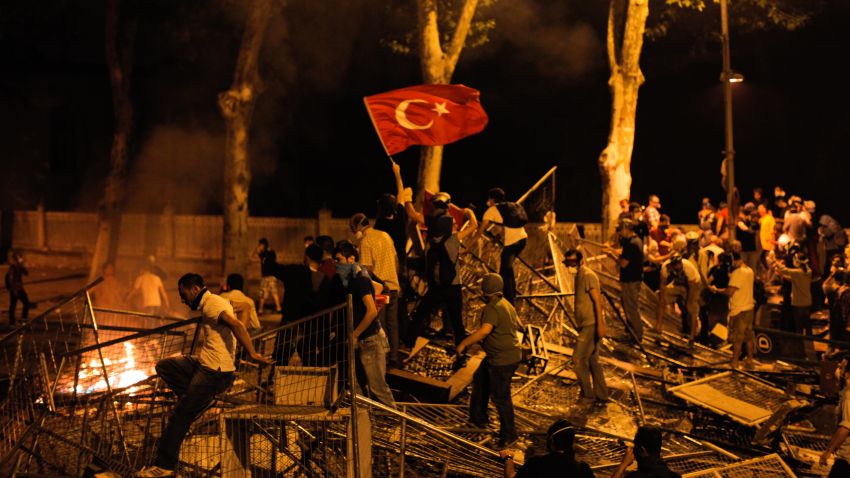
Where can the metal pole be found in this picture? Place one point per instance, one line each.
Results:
(403, 446)
(732, 206)
(637, 398)
(352, 380)
(109, 392)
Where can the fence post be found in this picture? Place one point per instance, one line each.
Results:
(403, 445)
(41, 227)
(352, 380)
(166, 236)
(322, 221)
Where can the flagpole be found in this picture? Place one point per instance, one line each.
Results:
(537, 185)
(375, 125)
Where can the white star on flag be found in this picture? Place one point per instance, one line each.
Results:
(440, 109)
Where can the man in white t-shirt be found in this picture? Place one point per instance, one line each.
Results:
(148, 286)
(741, 309)
(682, 284)
(513, 239)
(197, 380)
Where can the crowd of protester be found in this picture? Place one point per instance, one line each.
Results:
(783, 252)
(782, 248)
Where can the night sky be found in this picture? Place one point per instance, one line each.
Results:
(543, 81)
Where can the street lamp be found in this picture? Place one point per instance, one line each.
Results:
(728, 77)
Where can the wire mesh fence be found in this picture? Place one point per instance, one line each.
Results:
(742, 398)
(73, 385)
(404, 443)
(762, 467)
(81, 391)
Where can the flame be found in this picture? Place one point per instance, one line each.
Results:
(123, 372)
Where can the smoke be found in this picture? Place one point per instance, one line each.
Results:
(547, 38)
(180, 167)
(180, 159)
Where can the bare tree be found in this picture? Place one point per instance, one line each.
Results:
(626, 30)
(237, 107)
(626, 26)
(120, 37)
(438, 62)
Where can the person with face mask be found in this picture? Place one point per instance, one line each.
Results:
(197, 380)
(559, 462)
(840, 442)
(368, 333)
(647, 453)
(378, 256)
(492, 379)
(445, 290)
(591, 329)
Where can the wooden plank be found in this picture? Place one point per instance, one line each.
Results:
(463, 377)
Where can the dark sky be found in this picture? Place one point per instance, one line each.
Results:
(542, 77)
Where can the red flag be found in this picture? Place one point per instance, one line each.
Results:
(429, 115)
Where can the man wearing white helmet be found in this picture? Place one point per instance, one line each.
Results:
(498, 335)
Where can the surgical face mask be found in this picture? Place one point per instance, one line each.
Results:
(572, 269)
(358, 235)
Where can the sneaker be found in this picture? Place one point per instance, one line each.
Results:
(154, 472)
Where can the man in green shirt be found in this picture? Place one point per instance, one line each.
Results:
(492, 380)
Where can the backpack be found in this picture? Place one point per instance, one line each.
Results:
(513, 214)
(440, 268)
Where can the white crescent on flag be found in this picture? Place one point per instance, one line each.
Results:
(401, 116)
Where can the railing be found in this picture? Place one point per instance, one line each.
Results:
(78, 387)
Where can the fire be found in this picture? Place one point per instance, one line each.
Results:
(122, 372)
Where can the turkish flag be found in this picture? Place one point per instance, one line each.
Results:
(429, 115)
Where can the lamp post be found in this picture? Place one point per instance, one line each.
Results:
(727, 77)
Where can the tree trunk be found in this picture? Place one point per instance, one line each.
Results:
(626, 78)
(437, 66)
(237, 107)
(430, 164)
(119, 55)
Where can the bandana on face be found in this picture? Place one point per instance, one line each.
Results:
(195, 304)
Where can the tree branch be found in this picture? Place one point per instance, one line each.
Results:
(611, 39)
(459, 38)
(430, 51)
(246, 78)
(633, 38)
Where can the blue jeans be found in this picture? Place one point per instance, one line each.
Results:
(494, 382)
(196, 387)
(372, 355)
(586, 359)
